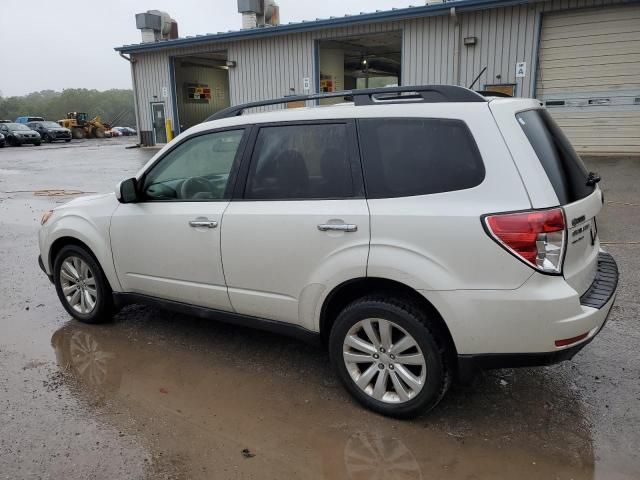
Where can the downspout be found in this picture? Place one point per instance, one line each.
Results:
(132, 61)
(456, 45)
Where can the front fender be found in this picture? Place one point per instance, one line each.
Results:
(93, 233)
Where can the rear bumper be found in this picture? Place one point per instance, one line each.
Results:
(596, 302)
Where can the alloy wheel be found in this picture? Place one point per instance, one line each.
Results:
(384, 360)
(78, 285)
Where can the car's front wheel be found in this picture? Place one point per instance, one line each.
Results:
(390, 358)
(81, 285)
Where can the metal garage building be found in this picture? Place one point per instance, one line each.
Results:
(581, 57)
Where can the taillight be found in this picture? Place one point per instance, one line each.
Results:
(537, 237)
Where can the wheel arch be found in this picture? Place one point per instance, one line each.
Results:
(353, 289)
(63, 241)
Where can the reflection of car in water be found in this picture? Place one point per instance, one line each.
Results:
(367, 457)
(105, 365)
(213, 396)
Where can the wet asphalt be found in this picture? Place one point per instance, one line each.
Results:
(161, 395)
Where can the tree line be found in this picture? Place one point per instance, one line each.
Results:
(54, 105)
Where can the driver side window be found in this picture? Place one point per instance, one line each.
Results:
(196, 170)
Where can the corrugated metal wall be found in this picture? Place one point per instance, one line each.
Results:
(433, 52)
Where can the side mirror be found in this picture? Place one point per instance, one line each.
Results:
(126, 191)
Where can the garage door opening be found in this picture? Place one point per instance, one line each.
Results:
(365, 61)
(201, 87)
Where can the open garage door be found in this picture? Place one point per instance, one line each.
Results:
(364, 61)
(589, 76)
(201, 87)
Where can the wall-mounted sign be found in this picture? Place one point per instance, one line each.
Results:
(521, 69)
(197, 92)
(306, 84)
(327, 83)
(165, 92)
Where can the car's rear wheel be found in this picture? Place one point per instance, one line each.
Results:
(389, 357)
(81, 285)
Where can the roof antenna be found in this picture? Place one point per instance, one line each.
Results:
(477, 78)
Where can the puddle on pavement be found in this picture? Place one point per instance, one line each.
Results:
(201, 393)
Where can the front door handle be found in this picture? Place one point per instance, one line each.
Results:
(203, 224)
(337, 227)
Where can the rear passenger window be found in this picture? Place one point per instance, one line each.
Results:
(300, 162)
(561, 163)
(405, 157)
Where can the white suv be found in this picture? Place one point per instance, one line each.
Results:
(420, 232)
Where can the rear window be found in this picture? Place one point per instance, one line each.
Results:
(563, 166)
(418, 156)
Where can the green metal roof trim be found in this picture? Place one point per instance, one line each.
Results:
(378, 16)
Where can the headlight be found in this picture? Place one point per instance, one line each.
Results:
(45, 217)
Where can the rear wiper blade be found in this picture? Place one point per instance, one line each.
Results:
(592, 179)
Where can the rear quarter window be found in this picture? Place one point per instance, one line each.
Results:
(418, 156)
(563, 166)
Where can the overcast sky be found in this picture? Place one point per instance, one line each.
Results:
(50, 45)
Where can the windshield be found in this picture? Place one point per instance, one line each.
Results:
(17, 126)
(50, 125)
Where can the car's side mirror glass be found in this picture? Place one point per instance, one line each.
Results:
(126, 191)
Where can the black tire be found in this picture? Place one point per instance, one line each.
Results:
(47, 138)
(67, 140)
(417, 324)
(37, 144)
(103, 309)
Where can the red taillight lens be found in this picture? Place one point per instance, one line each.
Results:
(537, 237)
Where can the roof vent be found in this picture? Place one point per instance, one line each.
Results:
(258, 13)
(156, 25)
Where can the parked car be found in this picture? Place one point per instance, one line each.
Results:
(418, 239)
(126, 131)
(2, 140)
(29, 119)
(17, 134)
(50, 131)
(114, 132)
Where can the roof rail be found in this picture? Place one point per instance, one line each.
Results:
(369, 96)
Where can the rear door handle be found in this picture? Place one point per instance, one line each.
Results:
(339, 227)
(203, 224)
